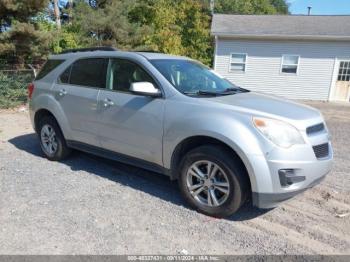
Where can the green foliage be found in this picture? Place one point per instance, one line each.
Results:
(281, 6)
(20, 10)
(195, 31)
(108, 24)
(166, 36)
(13, 89)
(257, 7)
(19, 37)
(58, 40)
(179, 27)
(65, 39)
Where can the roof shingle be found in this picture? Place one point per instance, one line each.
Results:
(281, 26)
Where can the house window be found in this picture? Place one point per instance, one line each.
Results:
(238, 62)
(344, 71)
(290, 64)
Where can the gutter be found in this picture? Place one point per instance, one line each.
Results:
(282, 37)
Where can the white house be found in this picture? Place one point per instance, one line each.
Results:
(298, 57)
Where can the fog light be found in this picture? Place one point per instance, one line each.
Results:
(288, 177)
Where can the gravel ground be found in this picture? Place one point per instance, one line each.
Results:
(88, 205)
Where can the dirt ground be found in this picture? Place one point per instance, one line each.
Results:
(88, 205)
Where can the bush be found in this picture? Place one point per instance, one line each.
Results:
(13, 88)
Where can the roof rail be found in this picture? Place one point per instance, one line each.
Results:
(147, 51)
(89, 49)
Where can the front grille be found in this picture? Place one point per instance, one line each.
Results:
(315, 129)
(321, 150)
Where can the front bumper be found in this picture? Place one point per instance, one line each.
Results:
(281, 174)
(271, 200)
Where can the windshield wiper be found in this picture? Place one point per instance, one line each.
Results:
(201, 92)
(231, 90)
(227, 91)
(237, 89)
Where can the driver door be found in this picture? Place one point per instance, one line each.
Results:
(130, 124)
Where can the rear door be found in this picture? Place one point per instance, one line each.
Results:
(342, 86)
(130, 124)
(76, 90)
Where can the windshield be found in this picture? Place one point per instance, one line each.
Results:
(193, 78)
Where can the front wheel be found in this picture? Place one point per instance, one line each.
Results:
(213, 181)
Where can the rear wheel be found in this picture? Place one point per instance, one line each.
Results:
(213, 181)
(51, 139)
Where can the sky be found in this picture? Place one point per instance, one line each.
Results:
(320, 7)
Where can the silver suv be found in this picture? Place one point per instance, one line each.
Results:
(173, 115)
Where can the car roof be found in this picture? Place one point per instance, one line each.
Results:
(147, 55)
(152, 55)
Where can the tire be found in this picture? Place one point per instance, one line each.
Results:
(228, 169)
(45, 127)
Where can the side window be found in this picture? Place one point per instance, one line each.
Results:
(48, 67)
(122, 73)
(290, 64)
(64, 77)
(89, 72)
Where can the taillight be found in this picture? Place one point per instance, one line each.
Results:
(30, 90)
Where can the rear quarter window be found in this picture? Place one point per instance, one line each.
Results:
(64, 77)
(50, 65)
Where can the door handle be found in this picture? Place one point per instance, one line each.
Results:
(107, 102)
(62, 92)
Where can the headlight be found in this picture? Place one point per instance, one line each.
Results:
(280, 133)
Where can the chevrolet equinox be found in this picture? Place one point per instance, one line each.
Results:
(173, 115)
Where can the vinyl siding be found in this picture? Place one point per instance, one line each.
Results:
(263, 67)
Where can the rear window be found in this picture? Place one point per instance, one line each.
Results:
(89, 72)
(48, 67)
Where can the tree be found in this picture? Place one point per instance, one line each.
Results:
(28, 28)
(57, 13)
(107, 23)
(166, 35)
(178, 27)
(194, 21)
(66, 38)
(281, 6)
(251, 6)
(20, 40)
(98, 3)
(69, 6)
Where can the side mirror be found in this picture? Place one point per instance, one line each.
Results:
(145, 89)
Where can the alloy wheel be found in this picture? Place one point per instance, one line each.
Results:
(208, 183)
(48, 139)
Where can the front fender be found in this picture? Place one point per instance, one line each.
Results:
(235, 130)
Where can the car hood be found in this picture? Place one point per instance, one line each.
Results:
(258, 104)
